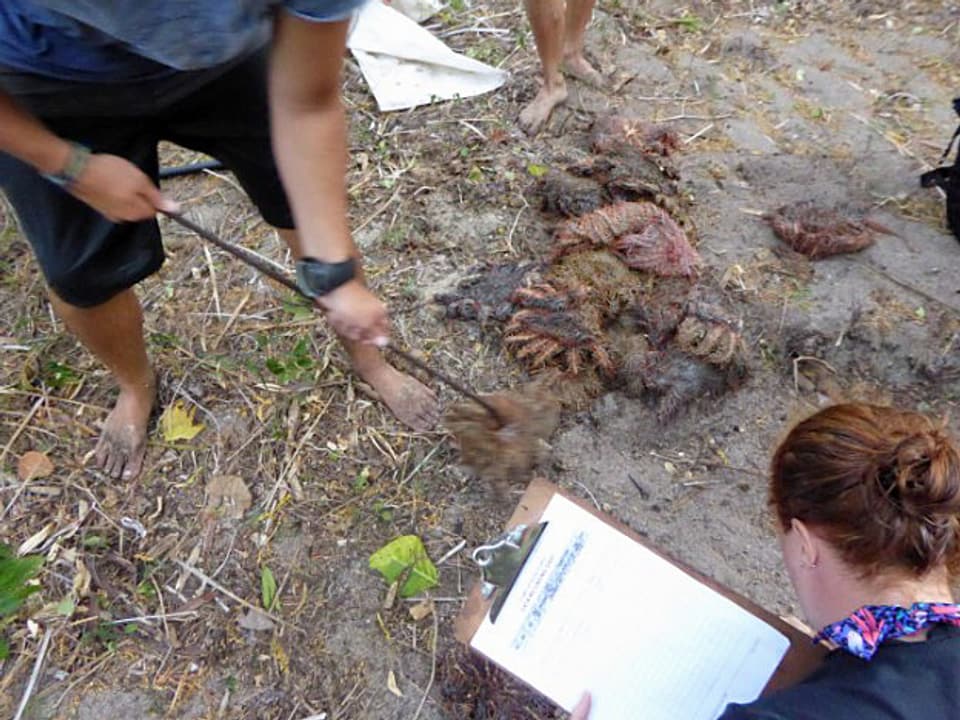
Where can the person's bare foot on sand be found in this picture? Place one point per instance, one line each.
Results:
(535, 115)
(123, 441)
(577, 66)
(414, 404)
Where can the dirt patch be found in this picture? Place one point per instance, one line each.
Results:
(842, 104)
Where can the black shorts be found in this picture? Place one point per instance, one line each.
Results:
(224, 113)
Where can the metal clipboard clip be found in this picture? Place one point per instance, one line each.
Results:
(501, 561)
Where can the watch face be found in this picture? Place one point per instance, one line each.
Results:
(318, 278)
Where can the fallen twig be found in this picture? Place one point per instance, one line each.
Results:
(433, 665)
(146, 619)
(231, 320)
(26, 480)
(698, 134)
(236, 598)
(807, 358)
(293, 457)
(20, 428)
(452, 551)
(28, 691)
(589, 494)
(376, 213)
(684, 116)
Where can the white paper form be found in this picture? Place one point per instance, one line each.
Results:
(594, 610)
(406, 66)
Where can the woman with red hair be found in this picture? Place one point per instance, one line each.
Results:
(867, 503)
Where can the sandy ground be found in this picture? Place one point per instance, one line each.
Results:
(835, 102)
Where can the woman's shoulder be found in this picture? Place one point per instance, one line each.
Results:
(902, 682)
(803, 702)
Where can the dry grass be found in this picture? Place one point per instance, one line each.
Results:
(332, 475)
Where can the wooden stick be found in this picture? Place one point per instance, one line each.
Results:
(23, 424)
(260, 264)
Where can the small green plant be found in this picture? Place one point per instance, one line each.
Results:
(475, 175)
(57, 375)
(537, 171)
(107, 634)
(488, 52)
(395, 236)
(800, 295)
(690, 23)
(298, 308)
(146, 590)
(15, 587)
(294, 365)
(362, 481)
(95, 542)
(383, 511)
(163, 340)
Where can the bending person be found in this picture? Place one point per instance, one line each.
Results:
(867, 501)
(87, 90)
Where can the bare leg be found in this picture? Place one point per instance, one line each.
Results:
(413, 403)
(113, 332)
(547, 20)
(578, 17)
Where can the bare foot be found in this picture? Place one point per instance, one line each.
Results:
(123, 442)
(534, 115)
(414, 404)
(577, 66)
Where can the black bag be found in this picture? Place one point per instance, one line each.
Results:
(947, 178)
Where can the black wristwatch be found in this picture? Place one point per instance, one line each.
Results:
(317, 278)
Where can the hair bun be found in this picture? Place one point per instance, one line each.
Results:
(925, 471)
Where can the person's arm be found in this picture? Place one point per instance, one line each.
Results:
(111, 185)
(25, 137)
(310, 141)
(582, 709)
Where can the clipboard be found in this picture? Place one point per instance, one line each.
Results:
(801, 658)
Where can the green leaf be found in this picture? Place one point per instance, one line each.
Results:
(275, 366)
(146, 589)
(298, 308)
(57, 375)
(383, 512)
(475, 175)
(537, 170)
(15, 574)
(95, 542)
(268, 587)
(66, 606)
(407, 556)
(689, 22)
(4, 648)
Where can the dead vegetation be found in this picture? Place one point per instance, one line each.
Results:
(820, 232)
(152, 594)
